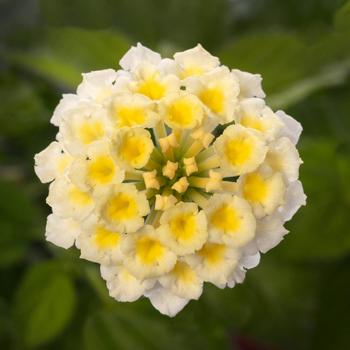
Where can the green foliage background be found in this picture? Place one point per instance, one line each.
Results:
(299, 296)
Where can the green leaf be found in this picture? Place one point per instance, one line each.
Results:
(123, 327)
(321, 229)
(65, 53)
(22, 112)
(44, 303)
(332, 326)
(342, 18)
(283, 302)
(276, 56)
(20, 221)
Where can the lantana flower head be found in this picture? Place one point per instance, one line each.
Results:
(170, 173)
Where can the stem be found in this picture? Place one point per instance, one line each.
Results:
(197, 197)
(210, 163)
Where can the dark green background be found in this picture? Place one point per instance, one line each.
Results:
(299, 295)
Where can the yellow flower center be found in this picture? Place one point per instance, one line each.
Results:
(101, 170)
(253, 122)
(191, 71)
(63, 162)
(212, 253)
(105, 238)
(255, 188)
(135, 150)
(79, 198)
(183, 226)
(183, 272)
(238, 150)
(225, 218)
(90, 131)
(184, 112)
(149, 250)
(152, 88)
(121, 207)
(213, 98)
(130, 116)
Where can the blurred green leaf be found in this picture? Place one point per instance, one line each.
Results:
(342, 17)
(321, 230)
(332, 326)
(65, 53)
(20, 221)
(44, 303)
(152, 22)
(22, 109)
(125, 328)
(276, 56)
(285, 304)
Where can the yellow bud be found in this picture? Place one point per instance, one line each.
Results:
(169, 169)
(181, 185)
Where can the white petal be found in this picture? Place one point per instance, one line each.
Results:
(45, 162)
(139, 54)
(270, 232)
(250, 84)
(61, 232)
(292, 128)
(294, 199)
(250, 261)
(166, 302)
(67, 102)
(122, 285)
(97, 84)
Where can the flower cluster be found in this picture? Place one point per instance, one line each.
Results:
(170, 173)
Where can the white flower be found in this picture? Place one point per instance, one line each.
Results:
(283, 157)
(133, 111)
(96, 168)
(240, 150)
(194, 62)
(182, 111)
(230, 220)
(145, 255)
(68, 201)
(214, 263)
(124, 207)
(98, 85)
(139, 55)
(292, 128)
(166, 302)
(218, 90)
(67, 102)
(182, 228)
(264, 190)
(256, 115)
(182, 281)
(133, 147)
(170, 173)
(99, 244)
(83, 125)
(122, 285)
(249, 84)
(62, 231)
(52, 162)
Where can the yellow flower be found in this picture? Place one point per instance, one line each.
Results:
(182, 111)
(124, 207)
(170, 173)
(264, 190)
(133, 147)
(230, 220)
(183, 228)
(240, 150)
(218, 90)
(145, 255)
